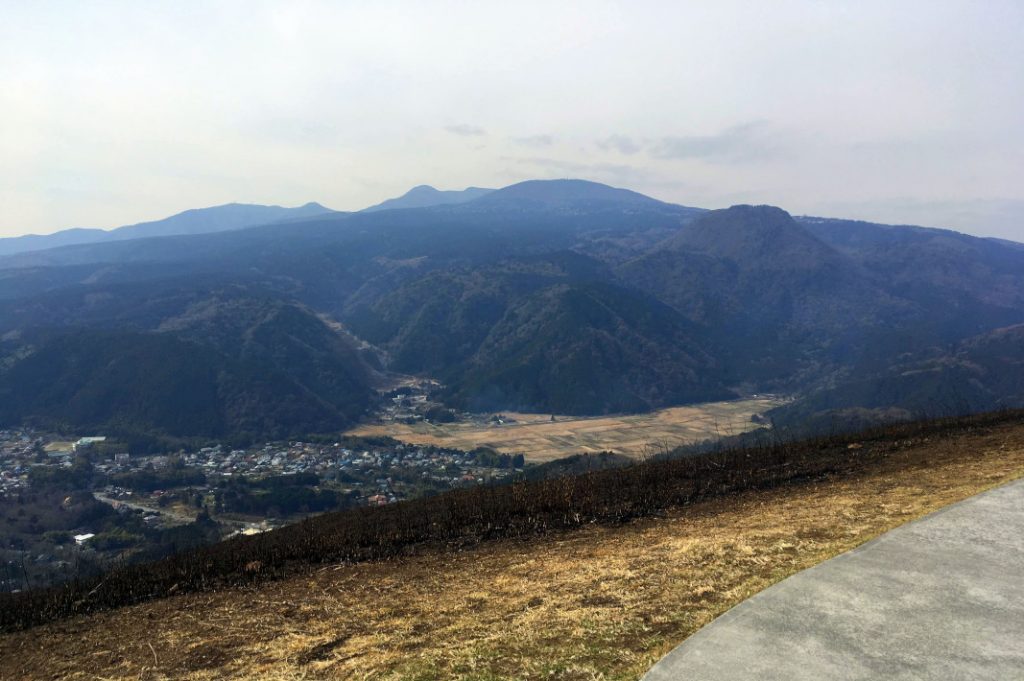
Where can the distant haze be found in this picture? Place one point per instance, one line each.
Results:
(119, 112)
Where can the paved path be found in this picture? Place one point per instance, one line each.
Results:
(941, 598)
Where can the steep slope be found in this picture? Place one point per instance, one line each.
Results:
(778, 299)
(588, 348)
(222, 364)
(982, 373)
(281, 336)
(544, 333)
(196, 221)
(424, 196)
(128, 383)
(436, 321)
(966, 284)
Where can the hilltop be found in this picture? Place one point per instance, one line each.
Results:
(601, 598)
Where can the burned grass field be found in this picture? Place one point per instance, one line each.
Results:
(542, 439)
(604, 601)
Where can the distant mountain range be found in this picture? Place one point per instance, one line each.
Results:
(424, 196)
(196, 221)
(554, 296)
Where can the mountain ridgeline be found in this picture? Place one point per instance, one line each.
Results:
(554, 296)
(195, 221)
(223, 363)
(424, 196)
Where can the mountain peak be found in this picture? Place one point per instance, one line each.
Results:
(745, 232)
(424, 196)
(564, 193)
(760, 211)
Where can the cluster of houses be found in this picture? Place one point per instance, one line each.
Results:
(19, 450)
(376, 468)
(377, 474)
(373, 471)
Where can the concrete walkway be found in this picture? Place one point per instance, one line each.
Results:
(941, 598)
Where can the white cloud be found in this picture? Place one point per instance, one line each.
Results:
(534, 140)
(623, 144)
(746, 142)
(464, 130)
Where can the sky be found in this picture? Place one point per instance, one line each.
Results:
(113, 113)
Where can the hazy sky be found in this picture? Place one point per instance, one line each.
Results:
(116, 112)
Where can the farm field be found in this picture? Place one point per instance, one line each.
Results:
(540, 439)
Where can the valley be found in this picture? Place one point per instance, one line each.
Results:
(543, 437)
(254, 370)
(603, 601)
(562, 297)
(511, 341)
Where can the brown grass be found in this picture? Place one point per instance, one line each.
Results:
(598, 603)
(541, 439)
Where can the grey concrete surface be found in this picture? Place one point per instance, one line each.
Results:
(941, 598)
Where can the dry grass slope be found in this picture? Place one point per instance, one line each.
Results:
(602, 602)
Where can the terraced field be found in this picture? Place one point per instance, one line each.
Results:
(541, 439)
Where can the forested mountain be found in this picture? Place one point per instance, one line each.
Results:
(981, 373)
(778, 301)
(185, 363)
(195, 221)
(588, 348)
(561, 296)
(955, 268)
(545, 332)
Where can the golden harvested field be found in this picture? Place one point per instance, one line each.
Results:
(541, 439)
(603, 602)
